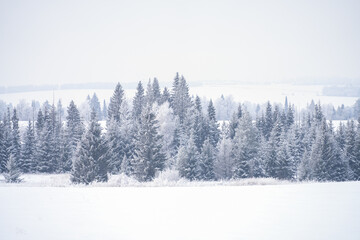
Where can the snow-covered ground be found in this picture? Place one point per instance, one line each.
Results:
(285, 211)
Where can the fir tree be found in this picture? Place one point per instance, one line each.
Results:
(355, 162)
(113, 111)
(224, 161)
(165, 96)
(286, 167)
(28, 150)
(328, 162)
(72, 135)
(245, 145)
(188, 159)
(180, 99)
(235, 121)
(95, 105)
(104, 110)
(206, 163)
(12, 174)
(138, 102)
(213, 127)
(350, 152)
(268, 123)
(5, 141)
(44, 147)
(15, 139)
(148, 155)
(90, 163)
(156, 91)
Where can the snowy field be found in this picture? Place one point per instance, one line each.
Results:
(299, 95)
(283, 211)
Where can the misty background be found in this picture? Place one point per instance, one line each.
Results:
(58, 43)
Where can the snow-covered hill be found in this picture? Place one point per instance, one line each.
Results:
(291, 211)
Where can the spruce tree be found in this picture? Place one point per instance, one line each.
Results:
(326, 157)
(165, 96)
(224, 161)
(268, 123)
(138, 101)
(156, 91)
(44, 147)
(188, 159)
(28, 150)
(6, 141)
(213, 126)
(113, 111)
(148, 155)
(206, 163)
(71, 136)
(245, 147)
(90, 163)
(355, 162)
(286, 168)
(12, 173)
(15, 140)
(95, 105)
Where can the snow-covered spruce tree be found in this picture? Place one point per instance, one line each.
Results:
(257, 164)
(200, 128)
(104, 111)
(44, 146)
(95, 104)
(12, 173)
(28, 150)
(5, 141)
(329, 164)
(39, 125)
(15, 140)
(349, 150)
(296, 145)
(180, 98)
(120, 138)
(149, 96)
(156, 91)
(56, 140)
(138, 102)
(165, 96)
(224, 161)
(188, 159)
(355, 163)
(286, 169)
(234, 122)
(116, 100)
(206, 163)
(245, 146)
(148, 156)
(290, 118)
(268, 121)
(272, 147)
(213, 126)
(90, 163)
(72, 135)
(165, 116)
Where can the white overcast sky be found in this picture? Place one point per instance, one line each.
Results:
(57, 42)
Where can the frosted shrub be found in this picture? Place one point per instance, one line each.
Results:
(168, 175)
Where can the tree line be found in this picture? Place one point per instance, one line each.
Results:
(169, 129)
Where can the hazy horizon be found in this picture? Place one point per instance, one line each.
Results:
(62, 42)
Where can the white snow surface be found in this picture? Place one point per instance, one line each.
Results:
(283, 211)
